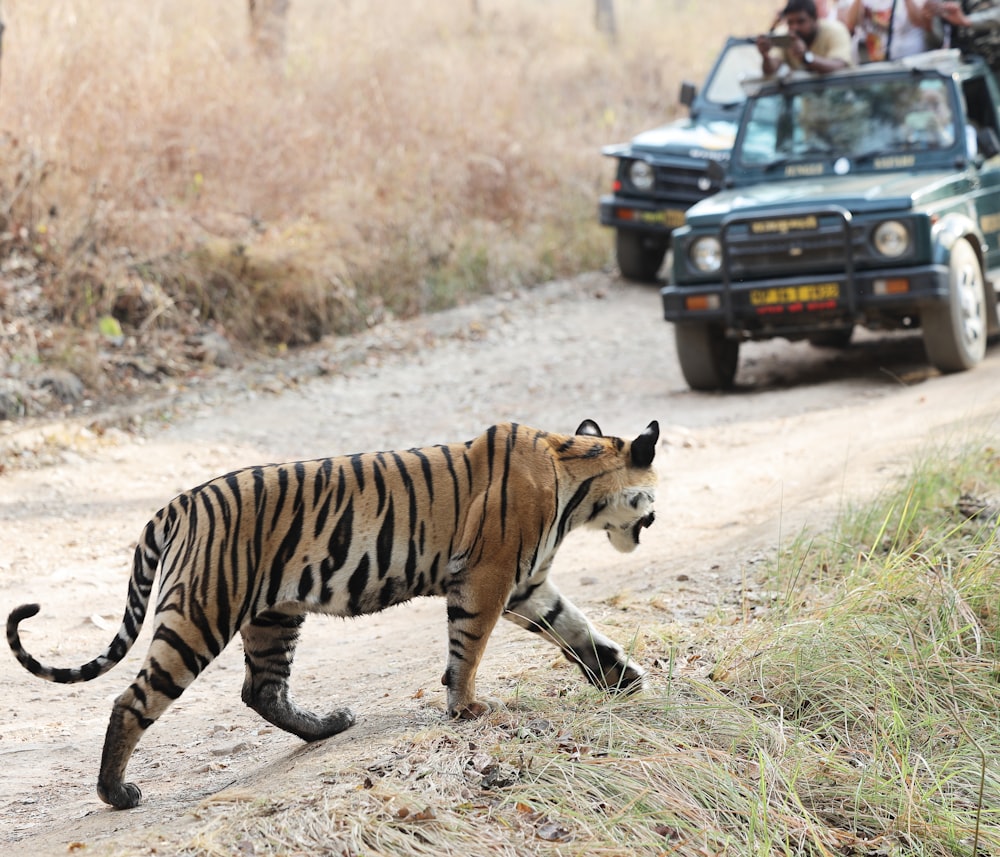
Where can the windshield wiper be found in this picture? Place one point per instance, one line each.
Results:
(797, 156)
(776, 165)
(880, 152)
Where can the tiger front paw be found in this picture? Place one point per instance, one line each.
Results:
(468, 710)
(120, 795)
(633, 679)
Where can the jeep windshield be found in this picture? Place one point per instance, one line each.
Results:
(848, 123)
(739, 63)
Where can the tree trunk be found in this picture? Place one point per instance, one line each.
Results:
(604, 19)
(268, 22)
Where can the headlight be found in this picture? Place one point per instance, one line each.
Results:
(891, 238)
(706, 254)
(641, 175)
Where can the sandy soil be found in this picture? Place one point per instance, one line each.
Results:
(807, 430)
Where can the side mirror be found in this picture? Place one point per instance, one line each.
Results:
(717, 173)
(688, 93)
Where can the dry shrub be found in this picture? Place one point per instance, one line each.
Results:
(400, 157)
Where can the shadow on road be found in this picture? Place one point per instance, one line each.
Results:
(875, 359)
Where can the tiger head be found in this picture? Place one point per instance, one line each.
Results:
(623, 496)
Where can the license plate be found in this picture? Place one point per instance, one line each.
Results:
(671, 217)
(826, 294)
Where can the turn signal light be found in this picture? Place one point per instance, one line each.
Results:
(895, 286)
(702, 302)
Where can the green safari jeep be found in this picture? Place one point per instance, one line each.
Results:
(867, 197)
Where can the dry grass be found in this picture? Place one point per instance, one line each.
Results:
(401, 158)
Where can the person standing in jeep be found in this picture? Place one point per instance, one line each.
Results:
(888, 29)
(972, 26)
(820, 46)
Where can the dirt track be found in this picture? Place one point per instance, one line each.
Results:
(807, 430)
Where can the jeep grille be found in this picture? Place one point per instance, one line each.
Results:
(681, 184)
(774, 247)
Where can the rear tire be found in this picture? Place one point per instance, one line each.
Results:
(955, 330)
(639, 257)
(708, 359)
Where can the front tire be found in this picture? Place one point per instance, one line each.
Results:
(955, 330)
(639, 257)
(708, 359)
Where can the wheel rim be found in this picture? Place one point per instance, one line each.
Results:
(972, 317)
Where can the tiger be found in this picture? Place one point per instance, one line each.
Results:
(255, 550)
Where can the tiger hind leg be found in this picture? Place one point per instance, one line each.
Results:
(544, 610)
(170, 666)
(269, 645)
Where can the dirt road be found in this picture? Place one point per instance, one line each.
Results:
(806, 431)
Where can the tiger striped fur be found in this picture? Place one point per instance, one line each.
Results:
(255, 550)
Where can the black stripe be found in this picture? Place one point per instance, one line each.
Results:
(286, 550)
(191, 660)
(456, 612)
(425, 468)
(411, 490)
(162, 681)
(339, 545)
(341, 486)
(491, 437)
(207, 627)
(411, 565)
(305, 584)
(321, 480)
(278, 504)
(224, 570)
(384, 542)
(379, 479)
(555, 611)
(387, 596)
(322, 515)
(357, 463)
(505, 481)
(256, 550)
(454, 482)
(521, 597)
(571, 506)
(357, 585)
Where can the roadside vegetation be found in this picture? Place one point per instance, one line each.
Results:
(844, 702)
(159, 176)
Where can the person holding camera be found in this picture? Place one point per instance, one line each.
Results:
(812, 44)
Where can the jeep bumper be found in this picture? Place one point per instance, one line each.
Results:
(642, 215)
(766, 308)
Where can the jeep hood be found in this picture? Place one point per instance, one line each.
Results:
(859, 194)
(710, 140)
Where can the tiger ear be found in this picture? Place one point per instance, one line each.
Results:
(644, 446)
(590, 428)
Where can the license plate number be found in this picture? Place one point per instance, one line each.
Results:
(817, 293)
